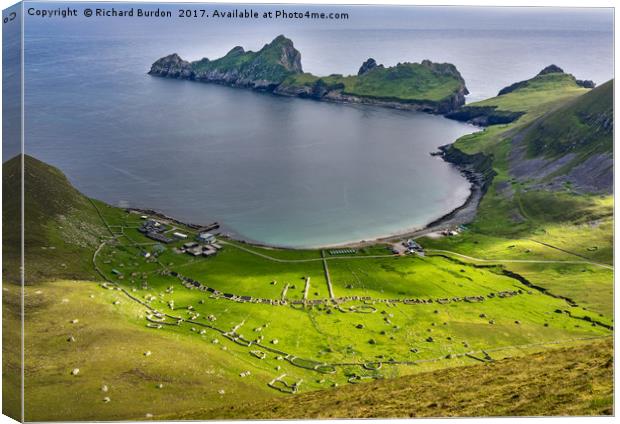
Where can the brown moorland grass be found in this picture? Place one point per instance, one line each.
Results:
(567, 381)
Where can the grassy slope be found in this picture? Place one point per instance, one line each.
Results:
(11, 299)
(406, 81)
(540, 91)
(61, 224)
(234, 59)
(513, 220)
(263, 64)
(200, 379)
(569, 381)
(583, 126)
(11, 350)
(11, 213)
(544, 94)
(109, 346)
(61, 227)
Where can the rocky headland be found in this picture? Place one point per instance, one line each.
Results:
(276, 68)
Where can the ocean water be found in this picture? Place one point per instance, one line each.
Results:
(282, 171)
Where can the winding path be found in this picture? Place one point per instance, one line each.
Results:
(471, 258)
(531, 261)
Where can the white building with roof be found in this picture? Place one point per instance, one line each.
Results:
(206, 238)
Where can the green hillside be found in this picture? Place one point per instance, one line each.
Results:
(11, 219)
(551, 117)
(108, 344)
(61, 224)
(542, 88)
(582, 126)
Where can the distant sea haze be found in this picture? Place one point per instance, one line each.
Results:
(282, 171)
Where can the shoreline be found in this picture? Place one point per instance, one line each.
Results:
(469, 166)
(442, 107)
(460, 215)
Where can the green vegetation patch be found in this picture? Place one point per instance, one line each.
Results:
(404, 82)
(266, 64)
(62, 227)
(540, 90)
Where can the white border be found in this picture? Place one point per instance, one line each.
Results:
(502, 3)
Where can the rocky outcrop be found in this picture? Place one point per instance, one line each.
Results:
(290, 58)
(367, 66)
(586, 83)
(551, 69)
(590, 174)
(477, 167)
(172, 66)
(319, 90)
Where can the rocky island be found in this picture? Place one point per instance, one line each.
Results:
(276, 68)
